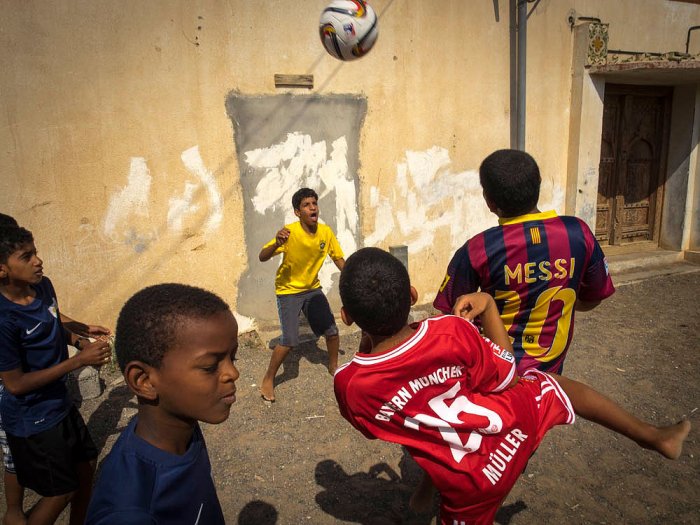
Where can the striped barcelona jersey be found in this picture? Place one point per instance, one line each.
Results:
(535, 266)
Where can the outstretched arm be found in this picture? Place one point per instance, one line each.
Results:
(269, 250)
(82, 329)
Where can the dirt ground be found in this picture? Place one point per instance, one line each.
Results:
(297, 461)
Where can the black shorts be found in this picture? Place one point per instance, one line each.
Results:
(47, 462)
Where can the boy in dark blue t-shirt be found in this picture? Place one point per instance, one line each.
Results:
(52, 449)
(175, 345)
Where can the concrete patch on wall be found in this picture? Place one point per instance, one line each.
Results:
(283, 143)
(298, 162)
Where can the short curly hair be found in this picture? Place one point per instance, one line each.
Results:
(148, 323)
(302, 194)
(7, 220)
(376, 291)
(511, 180)
(12, 238)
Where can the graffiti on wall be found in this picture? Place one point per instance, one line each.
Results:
(429, 196)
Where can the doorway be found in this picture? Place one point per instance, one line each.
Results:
(634, 145)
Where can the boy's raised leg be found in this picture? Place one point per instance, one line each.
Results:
(594, 406)
(267, 386)
(333, 346)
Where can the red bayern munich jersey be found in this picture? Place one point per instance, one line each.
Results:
(443, 394)
(535, 266)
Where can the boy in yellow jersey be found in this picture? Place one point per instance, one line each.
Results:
(304, 245)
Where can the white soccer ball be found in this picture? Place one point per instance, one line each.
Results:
(348, 28)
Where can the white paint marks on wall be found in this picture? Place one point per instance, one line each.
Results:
(179, 207)
(130, 201)
(133, 201)
(245, 324)
(298, 162)
(195, 165)
(429, 197)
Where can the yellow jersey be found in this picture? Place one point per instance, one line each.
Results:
(303, 256)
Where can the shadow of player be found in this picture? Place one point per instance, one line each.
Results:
(377, 497)
(506, 513)
(104, 421)
(257, 513)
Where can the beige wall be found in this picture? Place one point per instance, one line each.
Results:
(108, 109)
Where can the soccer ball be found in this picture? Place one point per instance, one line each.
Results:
(348, 28)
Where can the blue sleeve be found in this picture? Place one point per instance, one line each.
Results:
(460, 279)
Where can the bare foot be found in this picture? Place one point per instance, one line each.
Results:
(267, 390)
(670, 439)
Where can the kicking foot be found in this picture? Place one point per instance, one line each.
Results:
(670, 439)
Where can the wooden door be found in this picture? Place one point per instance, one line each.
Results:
(632, 163)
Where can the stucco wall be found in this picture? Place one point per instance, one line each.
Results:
(118, 151)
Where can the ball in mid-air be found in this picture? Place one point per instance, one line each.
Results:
(348, 28)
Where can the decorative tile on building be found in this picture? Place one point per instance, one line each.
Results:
(597, 44)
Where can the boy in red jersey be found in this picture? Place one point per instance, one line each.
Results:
(539, 267)
(453, 398)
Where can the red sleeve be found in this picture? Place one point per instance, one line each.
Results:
(490, 367)
(341, 387)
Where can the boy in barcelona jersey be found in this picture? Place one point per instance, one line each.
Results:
(453, 397)
(539, 267)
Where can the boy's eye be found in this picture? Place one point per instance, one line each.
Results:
(211, 369)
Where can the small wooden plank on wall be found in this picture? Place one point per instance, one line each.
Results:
(294, 81)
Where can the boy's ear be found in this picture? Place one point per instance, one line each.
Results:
(137, 375)
(491, 205)
(297, 213)
(345, 316)
(414, 296)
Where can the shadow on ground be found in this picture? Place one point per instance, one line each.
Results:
(377, 497)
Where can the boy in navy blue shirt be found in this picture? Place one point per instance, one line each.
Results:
(14, 492)
(175, 345)
(52, 449)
